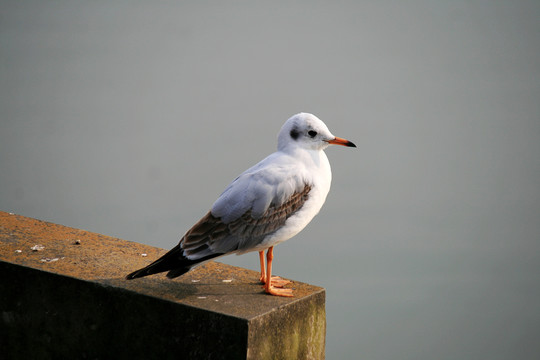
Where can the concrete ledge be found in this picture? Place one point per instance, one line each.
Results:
(69, 299)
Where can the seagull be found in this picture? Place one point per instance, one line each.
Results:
(267, 204)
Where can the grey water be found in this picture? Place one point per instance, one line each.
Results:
(129, 118)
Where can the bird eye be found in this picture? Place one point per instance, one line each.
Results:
(312, 133)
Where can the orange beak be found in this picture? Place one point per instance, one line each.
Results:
(342, 142)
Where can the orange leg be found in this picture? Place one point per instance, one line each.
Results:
(276, 280)
(263, 267)
(268, 286)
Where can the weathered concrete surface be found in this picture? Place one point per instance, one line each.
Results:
(70, 300)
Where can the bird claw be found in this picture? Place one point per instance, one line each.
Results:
(278, 292)
(275, 281)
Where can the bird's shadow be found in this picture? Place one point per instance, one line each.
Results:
(179, 290)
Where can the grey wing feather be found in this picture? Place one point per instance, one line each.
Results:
(211, 235)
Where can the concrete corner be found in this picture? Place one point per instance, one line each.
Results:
(63, 295)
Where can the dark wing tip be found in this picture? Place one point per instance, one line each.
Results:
(134, 275)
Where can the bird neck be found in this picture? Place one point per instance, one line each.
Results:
(312, 158)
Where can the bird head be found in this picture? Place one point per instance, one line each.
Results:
(307, 131)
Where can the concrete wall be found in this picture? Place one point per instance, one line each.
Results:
(69, 300)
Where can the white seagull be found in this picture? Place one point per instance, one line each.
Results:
(264, 206)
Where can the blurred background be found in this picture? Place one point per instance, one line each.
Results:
(129, 118)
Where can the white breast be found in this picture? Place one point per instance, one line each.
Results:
(320, 176)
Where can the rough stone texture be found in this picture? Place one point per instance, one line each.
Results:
(70, 300)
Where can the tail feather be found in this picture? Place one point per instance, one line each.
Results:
(173, 261)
